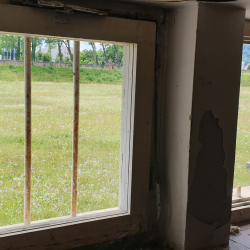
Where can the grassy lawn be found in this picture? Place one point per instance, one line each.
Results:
(99, 141)
(242, 175)
(13, 73)
(99, 148)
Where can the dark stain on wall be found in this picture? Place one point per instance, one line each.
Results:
(207, 196)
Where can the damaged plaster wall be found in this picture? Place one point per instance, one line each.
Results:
(199, 129)
(209, 185)
(214, 124)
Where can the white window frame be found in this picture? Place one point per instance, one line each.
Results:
(131, 216)
(240, 211)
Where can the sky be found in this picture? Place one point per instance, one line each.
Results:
(85, 45)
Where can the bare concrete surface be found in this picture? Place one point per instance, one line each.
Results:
(241, 241)
(245, 193)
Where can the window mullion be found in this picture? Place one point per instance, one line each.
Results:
(76, 79)
(27, 80)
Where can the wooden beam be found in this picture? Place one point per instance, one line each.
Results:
(247, 29)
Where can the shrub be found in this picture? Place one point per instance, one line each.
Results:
(60, 74)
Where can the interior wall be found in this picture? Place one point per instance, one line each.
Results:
(160, 17)
(181, 114)
(199, 124)
(214, 124)
(176, 122)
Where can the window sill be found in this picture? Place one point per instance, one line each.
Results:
(63, 221)
(240, 213)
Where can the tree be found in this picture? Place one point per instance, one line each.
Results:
(39, 56)
(86, 56)
(47, 57)
(67, 59)
(94, 54)
(59, 44)
(117, 53)
(1, 51)
(67, 44)
(100, 57)
(18, 51)
(16, 42)
(246, 53)
(57, 60)
(43, 57)
(113, 56)
(83, 58)
(35, 42)
(104, 51)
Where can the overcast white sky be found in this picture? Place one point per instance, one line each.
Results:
(85, 45)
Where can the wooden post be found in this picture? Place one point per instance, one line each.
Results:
(27, 77)
(238, 191)
(76, 78)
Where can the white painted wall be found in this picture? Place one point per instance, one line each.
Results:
(216, 90)
(202, 75)
(178, 104)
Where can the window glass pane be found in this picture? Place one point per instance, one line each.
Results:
(101, 68)
(100, 127)
(52, 105)
(11, 131)
(242, 159)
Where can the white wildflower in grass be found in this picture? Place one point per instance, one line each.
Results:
(242, 175)
(99, 149)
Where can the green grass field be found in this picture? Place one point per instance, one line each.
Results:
(245, 79)
(99, 148)
(13, 73)
(99, 141)
(242, 175)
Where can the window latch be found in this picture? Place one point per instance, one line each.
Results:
(70, 8)
(67, 8)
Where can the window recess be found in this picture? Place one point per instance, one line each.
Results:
(241, 189)
(138, 38)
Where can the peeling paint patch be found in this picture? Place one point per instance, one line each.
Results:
(207, 196)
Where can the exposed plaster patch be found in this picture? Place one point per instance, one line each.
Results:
(207, 197)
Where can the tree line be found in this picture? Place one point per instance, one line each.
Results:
(108, 54)
(246, 54)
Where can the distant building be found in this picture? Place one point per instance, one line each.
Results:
(8, 55)
(55, 52)
(243, 65)
(246, 67)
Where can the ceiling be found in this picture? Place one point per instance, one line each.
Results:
(174, 3)
(165, 3)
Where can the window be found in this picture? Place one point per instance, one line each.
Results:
(241, 191)
(138, 38)
(99, 118)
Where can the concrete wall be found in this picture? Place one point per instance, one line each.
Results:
(214, 125)
(176, 128)
(202, 91)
